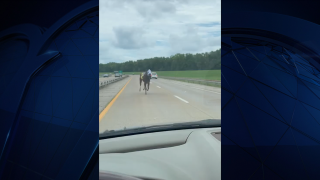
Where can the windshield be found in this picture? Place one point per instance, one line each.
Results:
(209, 123)
(182, 46)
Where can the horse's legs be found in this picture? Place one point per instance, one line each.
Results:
(144, 85)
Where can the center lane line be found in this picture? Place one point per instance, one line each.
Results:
(103, 113)
(158, 87)
(181, 99)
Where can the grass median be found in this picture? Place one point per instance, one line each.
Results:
(200, 74)
(214, 75)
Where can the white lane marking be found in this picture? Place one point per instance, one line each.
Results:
(181, 99)
(158, 87)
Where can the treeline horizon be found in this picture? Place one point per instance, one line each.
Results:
(178, 62)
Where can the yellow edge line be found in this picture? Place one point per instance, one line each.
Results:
(103, 113)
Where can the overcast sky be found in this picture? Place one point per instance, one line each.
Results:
(138, 29)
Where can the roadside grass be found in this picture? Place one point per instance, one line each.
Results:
(199, 74)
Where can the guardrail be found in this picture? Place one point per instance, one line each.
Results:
(105, 83)
(196, 81)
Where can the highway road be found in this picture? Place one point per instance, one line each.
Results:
(167, 101)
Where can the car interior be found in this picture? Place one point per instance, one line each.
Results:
(188, 154)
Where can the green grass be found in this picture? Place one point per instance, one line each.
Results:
(200, 74)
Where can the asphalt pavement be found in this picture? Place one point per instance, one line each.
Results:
(107, 93)
(167, 101)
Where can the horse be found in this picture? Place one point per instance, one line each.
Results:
(146, 80)
(140, 80)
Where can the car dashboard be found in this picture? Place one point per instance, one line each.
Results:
(168, 155)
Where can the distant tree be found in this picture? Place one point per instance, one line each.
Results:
(178, 62)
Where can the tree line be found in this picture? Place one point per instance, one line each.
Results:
(178, 62)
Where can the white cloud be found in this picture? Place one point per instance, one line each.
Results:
(137, 29)
(130, 37)
(155, 9)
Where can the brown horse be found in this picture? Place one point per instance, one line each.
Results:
(146, 81)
